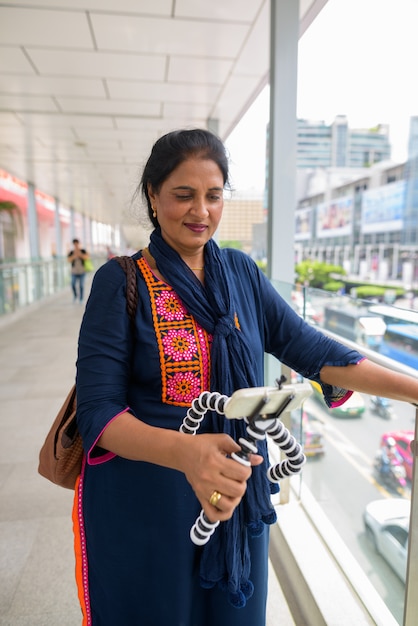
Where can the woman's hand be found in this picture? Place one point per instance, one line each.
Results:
(204, 459)
(208, 468)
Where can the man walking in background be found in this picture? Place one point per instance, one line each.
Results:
(76, 257)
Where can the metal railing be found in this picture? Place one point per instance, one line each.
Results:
(309, 303)
(24, 283)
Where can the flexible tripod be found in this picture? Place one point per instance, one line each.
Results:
(260, 407)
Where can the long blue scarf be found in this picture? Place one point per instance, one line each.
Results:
(225, 559)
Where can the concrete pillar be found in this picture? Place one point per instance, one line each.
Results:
(58, 233)
(72, 224)
(284, 37)
(284, 33)
(33, 224)
(213, 125)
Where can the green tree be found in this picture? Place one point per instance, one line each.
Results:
(231, 243)
(316, 273)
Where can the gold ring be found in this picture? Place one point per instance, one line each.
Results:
(215, 497)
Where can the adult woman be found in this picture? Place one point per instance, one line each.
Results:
(205, 318)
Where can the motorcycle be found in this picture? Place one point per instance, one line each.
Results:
(391, 473)
(381, 406)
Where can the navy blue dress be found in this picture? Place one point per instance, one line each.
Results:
(135, 562)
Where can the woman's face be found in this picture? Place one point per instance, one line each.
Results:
(189, 205)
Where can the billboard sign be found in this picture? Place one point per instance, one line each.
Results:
(303, 224)
(383, 208)
(335, 218)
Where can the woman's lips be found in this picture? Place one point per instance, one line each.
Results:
(196, 228)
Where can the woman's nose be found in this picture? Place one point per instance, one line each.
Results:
(200, 206)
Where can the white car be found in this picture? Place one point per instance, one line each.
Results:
(387, 524)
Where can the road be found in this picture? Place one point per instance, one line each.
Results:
(342, 482)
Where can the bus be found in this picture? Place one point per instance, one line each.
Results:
(356, 324)
(394, 315)
(400, 343)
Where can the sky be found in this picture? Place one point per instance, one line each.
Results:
(359, 59)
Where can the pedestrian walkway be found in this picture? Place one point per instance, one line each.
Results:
(37, 368)
(36, 556)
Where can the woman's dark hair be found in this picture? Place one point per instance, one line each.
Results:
(171, 150)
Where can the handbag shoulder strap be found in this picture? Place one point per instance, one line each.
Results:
(129, 267)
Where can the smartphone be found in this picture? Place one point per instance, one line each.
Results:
(267, 401)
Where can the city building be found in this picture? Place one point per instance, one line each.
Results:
(337, 145)
(330, 158)
(241, 213)
(368, 225)
(321, 145)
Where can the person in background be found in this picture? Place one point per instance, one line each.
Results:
(390, 455)
(76, 257)
(205, 319)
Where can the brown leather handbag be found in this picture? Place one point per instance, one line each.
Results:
(61, 456)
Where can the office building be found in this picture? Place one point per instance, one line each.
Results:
(337, 145)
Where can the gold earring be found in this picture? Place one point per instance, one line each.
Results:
(154, 212)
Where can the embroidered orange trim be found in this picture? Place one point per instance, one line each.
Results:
(237, 325)
(81, 574)
(183, 346)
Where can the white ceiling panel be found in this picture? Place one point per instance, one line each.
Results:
(27, 103)
(88, 121)
(8, 121)
(168, 36)
(46, 28)
(15, 160)
(155, 127)
(199, 70)
(255, 58)
(53, 123)
(87, 86)
(104, 143)
(13, 61)
(109, 107)
(135, 153)
(98, 64)
(160, 91)
(103, 157)
(143, 7)
(45, 85)
(233, 10)
(94, 134)
(235, 91)
(186, 110)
